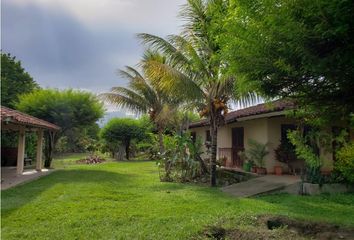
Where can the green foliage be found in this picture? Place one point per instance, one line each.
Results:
(345, 162)
(300, 49)
(122, 131)
(10, 140)
(307, 146)
(14, 80)
(257, 152)
(285, 152)
(81, 139)
(304, 150)
(181, 160)
(69, 109)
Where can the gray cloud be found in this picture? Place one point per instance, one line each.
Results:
(61, 50)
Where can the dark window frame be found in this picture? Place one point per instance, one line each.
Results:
(207, 136)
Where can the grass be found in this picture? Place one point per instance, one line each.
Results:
(126, 200)
(67, 160)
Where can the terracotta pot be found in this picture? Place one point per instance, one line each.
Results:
(224, 162)
(254, 169)
(261, 171)
(278, 170)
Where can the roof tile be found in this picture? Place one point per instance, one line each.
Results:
(17, 117)
(276, 106)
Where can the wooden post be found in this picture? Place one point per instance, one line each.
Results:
(39, 150)
(21, 150)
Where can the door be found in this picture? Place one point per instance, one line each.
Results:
(237, 145)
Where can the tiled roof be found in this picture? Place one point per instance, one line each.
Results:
(276, 106)
(16, 117)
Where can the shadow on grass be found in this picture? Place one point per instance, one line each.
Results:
(16, 197)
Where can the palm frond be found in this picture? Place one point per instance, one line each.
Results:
(174, 81)
(184, 46)
(175, 57)
(140, 85)
(194, 15)
(124, 102)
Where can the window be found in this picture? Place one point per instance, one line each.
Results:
(207, 136)
(284, 131)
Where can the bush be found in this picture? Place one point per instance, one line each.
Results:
(345, 162)
(181, 160)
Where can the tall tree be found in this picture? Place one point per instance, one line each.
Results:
(194, 69)
(299, 49)
(143, 95)
(14, 80)
(69, 109)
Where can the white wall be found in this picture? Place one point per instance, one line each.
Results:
(263, 130)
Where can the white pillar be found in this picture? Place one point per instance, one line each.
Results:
(21, 150)
(39, 150)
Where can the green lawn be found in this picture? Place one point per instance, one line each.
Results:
(125, 200)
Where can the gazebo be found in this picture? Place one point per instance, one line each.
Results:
(16, 121)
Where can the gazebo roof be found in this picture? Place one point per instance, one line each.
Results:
(9, 115)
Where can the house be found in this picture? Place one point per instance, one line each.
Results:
(20, 123)
(266, 123)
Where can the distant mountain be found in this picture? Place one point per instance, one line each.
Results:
(116, 114)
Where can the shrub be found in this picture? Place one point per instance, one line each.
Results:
(257, 152)
(181, 160)
(345, 162)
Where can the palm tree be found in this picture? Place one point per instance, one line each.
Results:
(144, 96)
(194, 69)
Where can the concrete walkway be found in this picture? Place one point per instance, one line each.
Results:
(261, 185)
(9, 178)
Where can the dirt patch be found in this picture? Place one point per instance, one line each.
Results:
(91, 160)
(277, 227)
(322, 231)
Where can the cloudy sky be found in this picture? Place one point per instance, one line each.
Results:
(82, 43)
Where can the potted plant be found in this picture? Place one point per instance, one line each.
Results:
(278, 170)
(257, 152)
(247, 163)
(223, 161)
(247, 166)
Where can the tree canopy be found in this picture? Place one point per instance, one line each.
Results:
(121, 131)
(69, 109)
(298, 49)
(14, 80)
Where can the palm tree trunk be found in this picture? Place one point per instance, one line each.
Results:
(214, 134)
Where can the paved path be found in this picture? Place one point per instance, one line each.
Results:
(9, 178)
(259, 185)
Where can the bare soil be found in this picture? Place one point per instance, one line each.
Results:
(278, 227)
